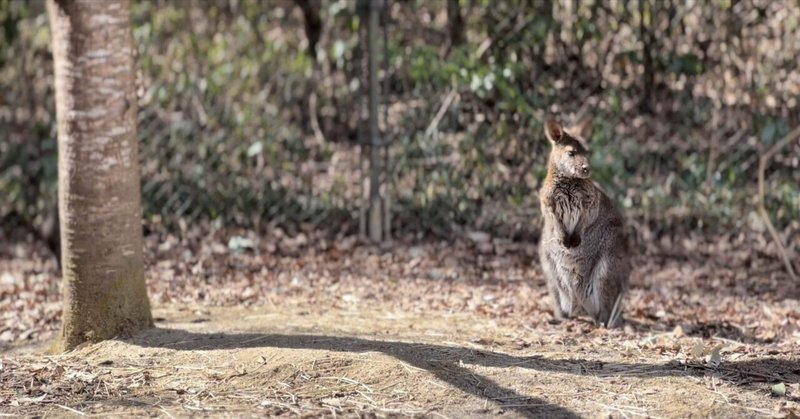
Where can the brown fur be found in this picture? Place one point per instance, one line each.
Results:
(583, 250)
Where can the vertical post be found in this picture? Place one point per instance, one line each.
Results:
(363, 114)
(646, 19)
(388, 180)
(375, 210)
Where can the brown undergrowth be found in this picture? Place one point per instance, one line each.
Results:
(313, 325)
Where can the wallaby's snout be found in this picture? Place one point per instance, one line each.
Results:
(574, 163)
(580, 167)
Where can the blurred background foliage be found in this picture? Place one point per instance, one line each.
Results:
(251, 112)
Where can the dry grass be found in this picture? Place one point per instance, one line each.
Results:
(423, 330)
(376, 364)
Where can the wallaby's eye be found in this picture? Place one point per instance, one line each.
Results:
(571, 153)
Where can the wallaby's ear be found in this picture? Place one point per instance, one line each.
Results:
(583, 129)
(553, 130)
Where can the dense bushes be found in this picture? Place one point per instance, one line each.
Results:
(684, 99)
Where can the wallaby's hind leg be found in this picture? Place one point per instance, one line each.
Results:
(559, 301)
(603, 294)
(556, 295)
(611, 293)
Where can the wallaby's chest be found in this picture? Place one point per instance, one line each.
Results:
(569, 202)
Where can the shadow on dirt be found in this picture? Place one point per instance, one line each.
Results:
(699, 329)
(441, 361)
(445, 362)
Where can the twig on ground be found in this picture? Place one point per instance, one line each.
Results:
(627, 410)
(165, 411)
(77, 412)
(282, 405)
(348, 381)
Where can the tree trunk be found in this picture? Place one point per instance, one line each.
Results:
(98, 172)
(455, 23)
(313, 24)
(646, 20)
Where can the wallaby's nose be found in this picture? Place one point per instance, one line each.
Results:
(585, 169)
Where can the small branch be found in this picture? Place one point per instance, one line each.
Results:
(315, 127)
(713, 152)
(483, 47)
(448, 101)
(762, 209)
(75, 411)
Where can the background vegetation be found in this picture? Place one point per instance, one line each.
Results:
(244, 121)
(251, 125)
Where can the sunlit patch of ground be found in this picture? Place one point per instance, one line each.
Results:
(316, 326)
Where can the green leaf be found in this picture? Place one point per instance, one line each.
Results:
(779, 389)
(768, 132)
(255, 149)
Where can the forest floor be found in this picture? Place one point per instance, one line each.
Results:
(304, 325)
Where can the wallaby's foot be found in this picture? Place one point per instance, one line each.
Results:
(617, 323)
(610, 323)
(559, 318)
(559, 314)
(613, 318)
(563, 306)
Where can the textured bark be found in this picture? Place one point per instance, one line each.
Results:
(313, 23)
(98, 167)
(455, 23)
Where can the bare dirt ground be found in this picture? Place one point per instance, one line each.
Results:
(304, 325)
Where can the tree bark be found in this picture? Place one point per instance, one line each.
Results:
(455, 23)
(98, 165)
(313, 24)
(648, 80)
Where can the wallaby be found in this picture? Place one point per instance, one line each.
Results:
(583, 250)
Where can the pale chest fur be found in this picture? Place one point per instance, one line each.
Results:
(569, 207)
(571, 204)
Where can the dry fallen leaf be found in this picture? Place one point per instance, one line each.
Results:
(715, 358)
(678, 332)
(698, 349)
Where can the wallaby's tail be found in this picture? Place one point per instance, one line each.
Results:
(616, 312)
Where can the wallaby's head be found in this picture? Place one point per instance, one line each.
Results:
(570, 155)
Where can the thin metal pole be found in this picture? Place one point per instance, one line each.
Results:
(388, 180)
(375, 213)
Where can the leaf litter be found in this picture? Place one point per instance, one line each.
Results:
(316, 324)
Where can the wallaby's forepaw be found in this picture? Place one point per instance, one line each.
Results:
(572, 240)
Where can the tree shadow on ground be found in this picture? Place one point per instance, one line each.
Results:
(700, 329)
(441, 361)
(445, 363)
